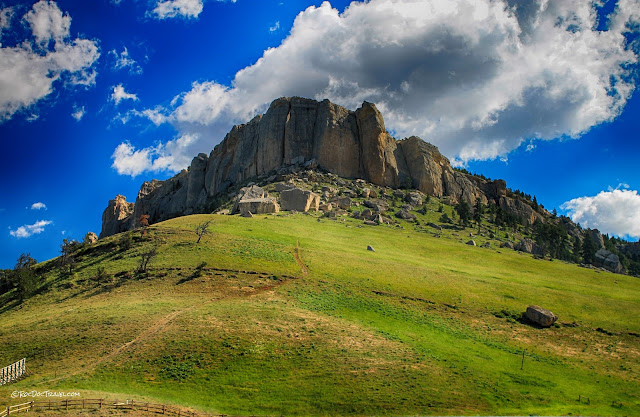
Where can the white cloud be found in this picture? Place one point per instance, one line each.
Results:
(275, 27)
(38, 206)
(47, 22)
(157, 115)
(124, 61)
(616, 212)
(172, 156)
(177, 8)
(78, 113)
(478, 78)
(119, 94)
(29, 70)
(6, 15)
(30, 229)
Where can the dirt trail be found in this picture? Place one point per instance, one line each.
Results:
(296, 255)
(150, 331)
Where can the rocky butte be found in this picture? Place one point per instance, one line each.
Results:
(299, 131)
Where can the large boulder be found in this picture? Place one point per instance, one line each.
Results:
(540, 316)
(299, 200)
(258, 206)
(529, 246)
(250, 195)
(608, 260)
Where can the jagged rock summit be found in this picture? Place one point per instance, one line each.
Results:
(350, 144)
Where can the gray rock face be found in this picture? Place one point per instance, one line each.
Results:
(304, 132)
(540, 316)
(597, 238)
(609, 261)
(299, 200)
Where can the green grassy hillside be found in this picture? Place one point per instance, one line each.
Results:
(423, 325)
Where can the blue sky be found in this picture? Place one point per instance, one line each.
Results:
(98, 96)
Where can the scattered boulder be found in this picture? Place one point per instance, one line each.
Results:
(325, 207)
(357, 215)
(365, 193)
(486, 245)
(398, 194)
(507, 244)
(373, 194)
(540, 316)
(406, 215)
(223, 212)
(414, 198)
(471, 243)
(370, 248)
(247, 214)
(370, 223)
(343, 202)
(609, 261)
(435, 226)
(299, 200)
(377, 205)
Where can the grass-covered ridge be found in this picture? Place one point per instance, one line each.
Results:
(424, 325)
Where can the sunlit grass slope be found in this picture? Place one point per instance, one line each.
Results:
(423, 325)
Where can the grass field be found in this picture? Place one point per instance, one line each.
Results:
(423, 325)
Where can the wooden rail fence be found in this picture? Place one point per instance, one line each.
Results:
(99, 403)
(13, 372)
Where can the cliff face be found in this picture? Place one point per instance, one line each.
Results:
(294, 131)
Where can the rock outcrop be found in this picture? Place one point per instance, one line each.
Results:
(608, 260)
(117, 217)
(323, 135)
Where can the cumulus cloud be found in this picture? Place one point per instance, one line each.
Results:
(616, 212)
(29, 70)
(118, 94)
(38, 206)
(124, 61)
(477, 78)
(172, 156)
(30, 229)
(78, 113)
